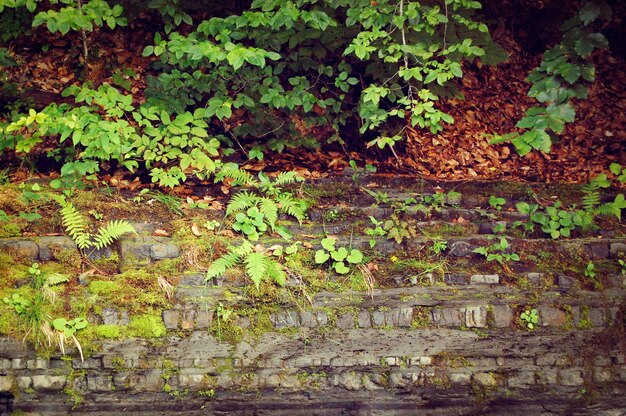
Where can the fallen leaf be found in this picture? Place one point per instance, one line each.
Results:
(195, 230)
(160, 232)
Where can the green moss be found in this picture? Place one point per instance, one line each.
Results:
(104, 287)
(10, 230)
(146, 326)
(108, 265)
(108, 331)
(584, 322)
(69, 257)
(421, 317)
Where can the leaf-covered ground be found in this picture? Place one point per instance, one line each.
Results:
(495, 99)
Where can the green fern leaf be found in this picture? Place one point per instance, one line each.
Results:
(256, 267)
(241, 202)
(275, 272)
(113, 231)
(285, 178)
(292, 206)
(219, 266)
(269, 209)
(239, 177)
(75, 224)
(591, 200)
(56, 278)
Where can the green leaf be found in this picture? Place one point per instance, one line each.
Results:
(340, 254)
(355, 257)
(321, 257)
(328, 243)
(256, 267)
(341, 268)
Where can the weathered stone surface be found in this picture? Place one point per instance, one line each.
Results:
(171, 318)
(485, 380)
(345, 321)
(6, 383)
(364, 319)
(112, 316)
(460, 378)
(551, 316)
(502, 316)
(476, 317)
(50, 246)
(571, 377)
(22, 248)
(164, 251)
(616, 249)
(521, 379)
(460, 249)
(484, 279)
(97, 382)
(565, 282)
(48, 382)
(597, 250)
(447, 317)
(285, 319)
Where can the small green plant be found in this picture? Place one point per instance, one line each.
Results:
(332, 215)
(622, 265)
(560, 222)
(530, 318)
(258, 265)
(376, 231)
(439, 247)
(619, 172)
(251, 223)
(496, 203)
(66, 329)
(211, 225)
(340, 258)
(76, 226)
(272, 200)
(357, 173)
(497, 251)
(222, 314)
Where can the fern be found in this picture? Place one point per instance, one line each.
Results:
(258, 266)
(591, 199)
(269, 209)
(76, 226)
(239, 177)
(55, 279)
(292, 206)
(113, 231)
(241, 202)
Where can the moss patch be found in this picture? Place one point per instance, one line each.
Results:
(146, 326)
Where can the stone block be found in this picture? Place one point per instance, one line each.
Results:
(113, 316)
(460, 249)
(285, 319)
(551, 316)
(476, 317)
(164, 251)
(6, 383)
(402, 317)
(547, 376)
(615, 249)
(188, 318)
(24, 383)
(51, 245)
(18, 363)
(97, 382)
(485, 380)
(521, 379)
(364, 319)
(502, 316)
(48, 382)
(171, 318)
(602, 375)
(484, 279)
(345, 321)
(571, 377)
(378, 318)
(597, 250)
(448, 317)
(565, 282)
(24, 249)
(204, 319)
(308, 319)
(460, 378)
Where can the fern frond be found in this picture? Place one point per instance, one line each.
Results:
(292, 206)
(56, 278)
(269, 209)
(285, 178)
(590, 200)
(239, 177)
(275, 271)
(113, 231)
(75, 224)
(222, 264)
(241, 202)
(256, 267)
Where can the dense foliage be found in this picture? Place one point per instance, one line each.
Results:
(277, 74)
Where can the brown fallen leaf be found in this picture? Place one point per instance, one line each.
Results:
(160, 232)
(195, 230)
